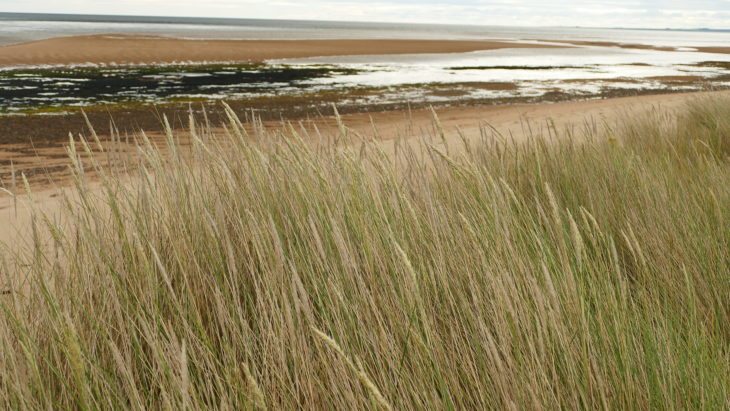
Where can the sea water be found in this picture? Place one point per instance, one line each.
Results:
(532, 72)
(20, 27)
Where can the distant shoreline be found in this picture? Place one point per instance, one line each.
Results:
(126, 18)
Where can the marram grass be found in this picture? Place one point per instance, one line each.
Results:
(255, 270)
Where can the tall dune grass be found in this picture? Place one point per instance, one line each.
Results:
(255, 270)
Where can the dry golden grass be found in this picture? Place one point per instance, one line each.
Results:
(258, 271)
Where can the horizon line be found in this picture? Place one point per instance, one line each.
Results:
(709, 29)
(694, 29)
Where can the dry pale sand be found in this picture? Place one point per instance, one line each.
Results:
(120, 49)
(508, 119)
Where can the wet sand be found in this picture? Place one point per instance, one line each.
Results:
(715, 50)
(119, 49)
(614, 44)
(126, 49)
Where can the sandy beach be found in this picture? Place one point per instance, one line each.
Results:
(50, 163)
(119, 49)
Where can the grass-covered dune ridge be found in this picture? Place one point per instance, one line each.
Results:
(255, 270)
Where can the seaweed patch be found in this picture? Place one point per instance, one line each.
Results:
(26, 89)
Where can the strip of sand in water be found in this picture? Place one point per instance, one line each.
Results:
(122, 49)
(631, 46)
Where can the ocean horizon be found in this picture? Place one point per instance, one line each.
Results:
(25, 27)
(110, 18)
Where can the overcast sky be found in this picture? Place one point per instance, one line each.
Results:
(623, 13)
